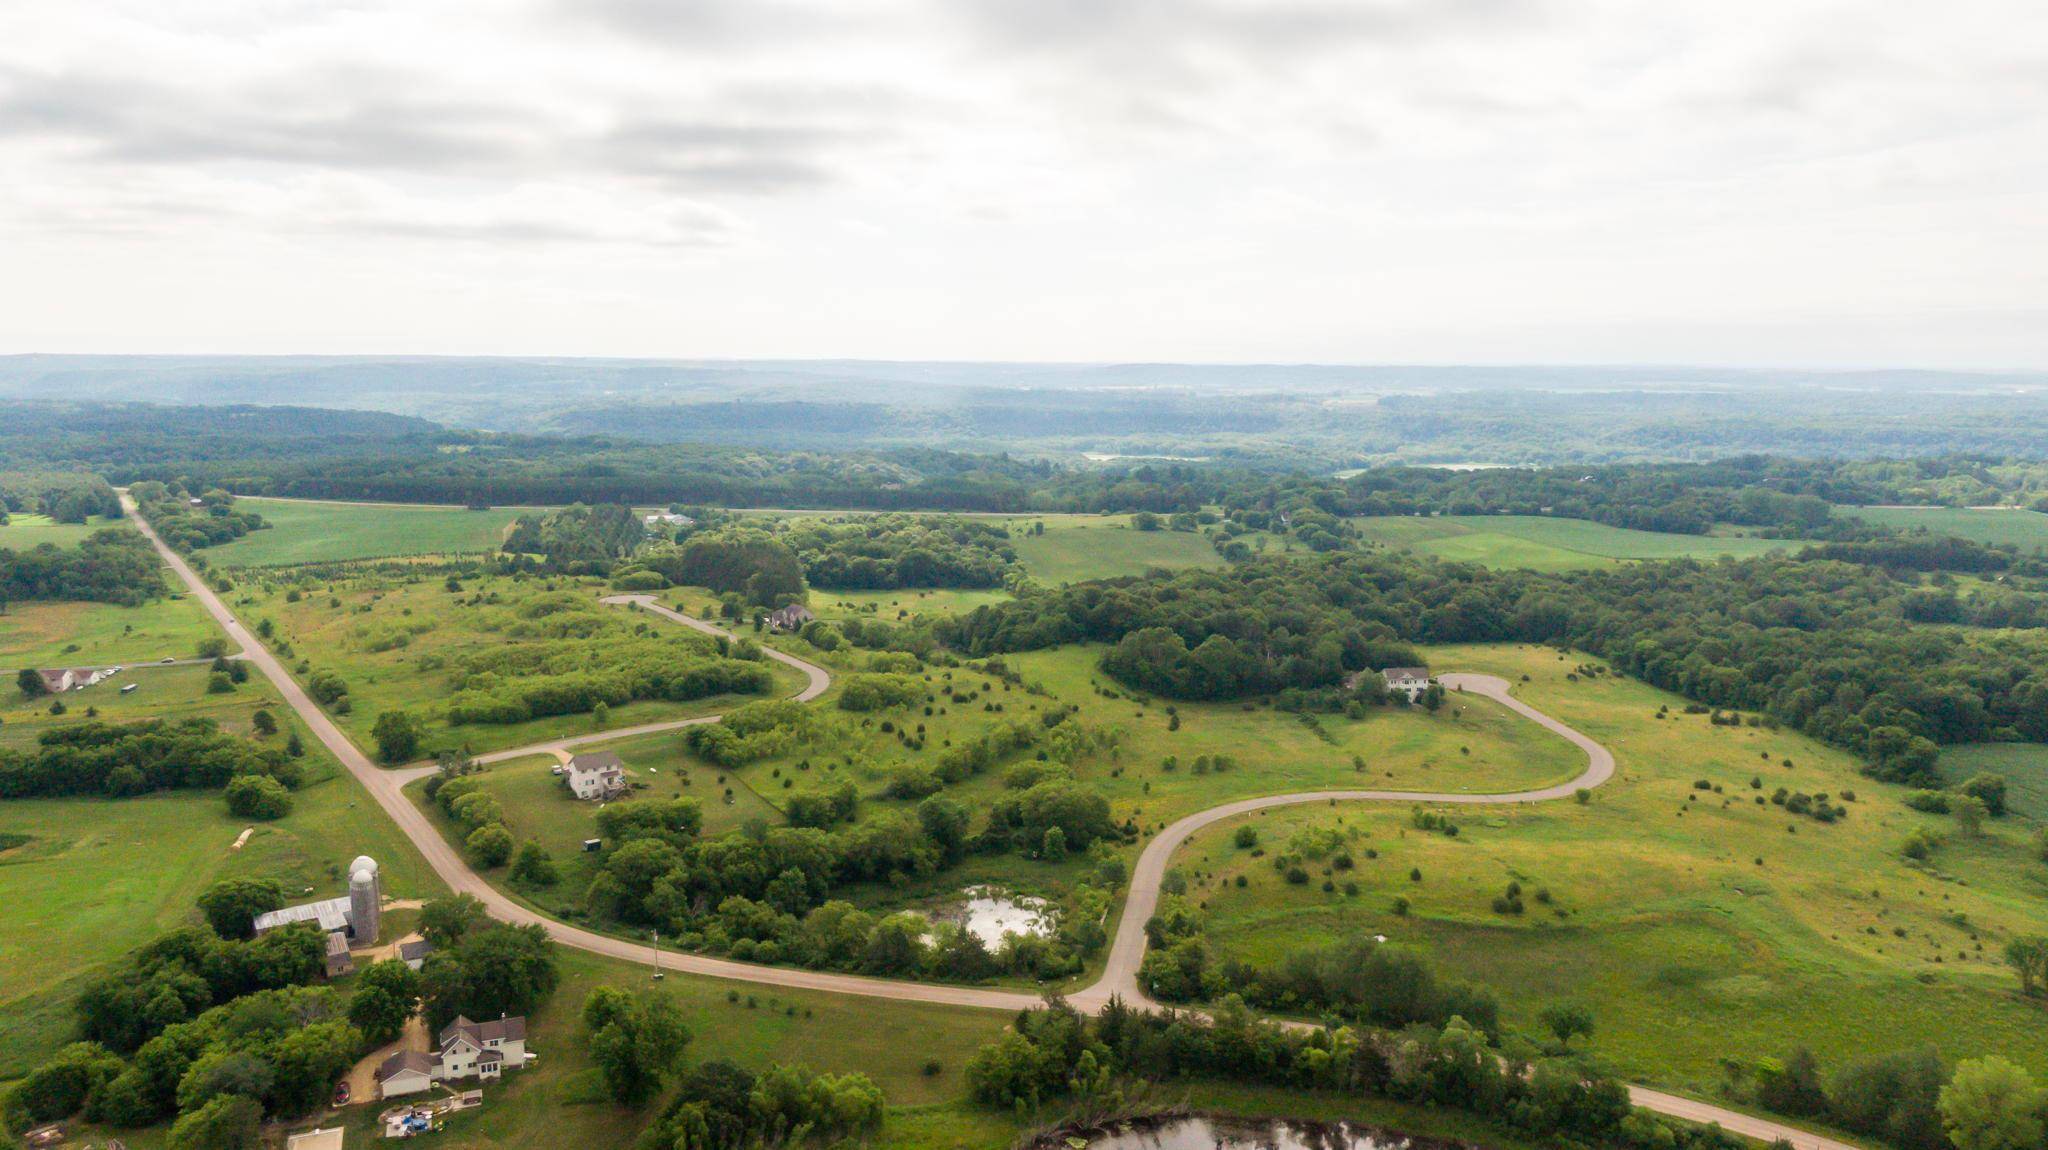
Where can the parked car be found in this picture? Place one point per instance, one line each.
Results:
(341, 1094)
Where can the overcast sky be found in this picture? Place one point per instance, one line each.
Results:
(1453, 181)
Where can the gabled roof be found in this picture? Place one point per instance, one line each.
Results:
(404, 1060)
(417, 948)
(1405, 673)
(596, 761)
(511, 1029)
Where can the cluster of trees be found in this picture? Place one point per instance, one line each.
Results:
(882, 552)
(764, 894)
(189, 527)
(579, 539)
(1908, 1098)
(1821, 645)
(1055, 1054)
(719, 1106)
(745, 561)
(64, 496)
(120, 759)
(1356, 978)
(112, 565)
(480, 968)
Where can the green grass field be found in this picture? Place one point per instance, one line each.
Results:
(73, 634)
(2024, 765)
(1075, 548)
(349, 627)
(326, 532)
(1663, 919)
(98, 877)
(1546, 543)
(2027, 530)
(22, 532)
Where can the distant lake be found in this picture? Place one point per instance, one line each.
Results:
(1218, 1133)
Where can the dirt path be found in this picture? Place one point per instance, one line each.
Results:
(1119, 973)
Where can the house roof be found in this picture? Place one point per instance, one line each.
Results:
(511, 1029)
(414, 1060)
(596, 761)
(1405, 673)
(416, 948)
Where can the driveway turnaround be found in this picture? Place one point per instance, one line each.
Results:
(1127, 951)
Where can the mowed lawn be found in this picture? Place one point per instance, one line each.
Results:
(95, 877)
(2027, 530)
(1697, 924)
(72, 634)
(327, 532)
(2024, 765)
(1547, 543)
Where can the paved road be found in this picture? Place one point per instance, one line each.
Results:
(1119, 973)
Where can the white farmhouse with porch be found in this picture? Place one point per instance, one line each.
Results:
(597, 775)
(481, 1050)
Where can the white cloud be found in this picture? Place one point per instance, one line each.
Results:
(1450, 180)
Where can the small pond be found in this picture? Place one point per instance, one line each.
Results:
(1219, 1133)
(991, 912)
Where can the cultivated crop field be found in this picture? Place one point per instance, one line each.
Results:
(398, 642)
(2027, 530)
(2024, 766)
(308, 532)
(1081, 547)
(1695, 923)
(1544, 543)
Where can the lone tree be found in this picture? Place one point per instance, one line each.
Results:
(31, 682)
(1991, 1104)
(398, 736)
(1567, 1020)
(2028, 957)
(232, 904)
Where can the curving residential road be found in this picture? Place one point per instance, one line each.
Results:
(1119, 976)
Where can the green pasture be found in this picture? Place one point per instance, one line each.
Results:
(1076, 548)
(73, 634)
(174, 693)
(1697, 924)
(2024, 765)
(341, 625)
(22, 532)
(311, 532)
(1547, 543)
(2027, 530)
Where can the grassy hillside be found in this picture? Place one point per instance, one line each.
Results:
(2027, 530)
(1696, 924)
(1545, 543)
(324, 532)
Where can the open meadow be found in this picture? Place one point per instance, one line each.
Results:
(1075, 548)
(317, 532)
(77, 634)
(2024, 767)
(1696, 917)
(1546, 543)
(2027, 530)
(23, 531)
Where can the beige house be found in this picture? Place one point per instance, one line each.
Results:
(1409, 681)
(597, 775)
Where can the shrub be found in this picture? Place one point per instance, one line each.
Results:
(258, 797)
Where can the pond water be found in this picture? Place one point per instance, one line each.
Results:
(989, 913)
(1200, 1133)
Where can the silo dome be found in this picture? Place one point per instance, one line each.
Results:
(362, 863)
